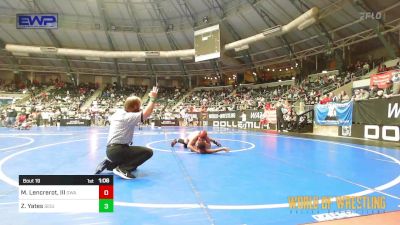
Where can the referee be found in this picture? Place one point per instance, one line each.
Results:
(122, 158)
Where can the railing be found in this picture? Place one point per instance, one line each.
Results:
(304, 121)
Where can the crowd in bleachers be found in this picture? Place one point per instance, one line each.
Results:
(65, 101)
(48, 107)
(247, 98)
(168, 97)
(201, 99)
(112, 97)
(27, 87)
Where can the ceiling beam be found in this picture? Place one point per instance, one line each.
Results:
(268, 20)
(187, 11)
(340, 43)
(363, 5)
(106, 24)
(219, 11)
(302, 8)
(168, 29)
(36, 7)
(9, 56)
(142, 44)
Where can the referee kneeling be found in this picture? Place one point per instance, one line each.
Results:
(122, 158)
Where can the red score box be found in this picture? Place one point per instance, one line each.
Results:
(106, 192)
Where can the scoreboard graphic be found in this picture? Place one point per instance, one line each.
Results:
(66, 193)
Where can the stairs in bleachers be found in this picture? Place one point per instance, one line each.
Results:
(95, 95)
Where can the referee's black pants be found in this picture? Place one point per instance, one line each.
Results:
(128, 157)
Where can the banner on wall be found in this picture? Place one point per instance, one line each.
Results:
(247, 119)
(383, 80)
(372, 132)
(166, 123)
(385, 111)
(74, 122)
(334, 114)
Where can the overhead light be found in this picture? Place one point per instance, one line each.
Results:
(279, 80)
(291, 67)
(287, 69)
(152, 53)
(272, 30)
(241, 48)
(307, 23)
(20, 53)
(268, 69)
(254, 73)
(186, 58)
(273, 70)
(293, 78)
(138, 59)
(324, 71)
(92, 58)
(50, 50)
(280, 69)
(229, 78)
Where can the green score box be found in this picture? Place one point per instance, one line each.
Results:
(106, 205)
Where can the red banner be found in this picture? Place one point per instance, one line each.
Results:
(269, 116)
(382, 80)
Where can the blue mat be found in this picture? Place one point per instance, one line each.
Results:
(249, 185)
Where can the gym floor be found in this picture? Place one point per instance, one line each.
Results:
(249, 185)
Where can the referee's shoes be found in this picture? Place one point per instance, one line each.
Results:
(105, 164)
(125, 174)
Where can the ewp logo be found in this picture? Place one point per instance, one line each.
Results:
(37, 21)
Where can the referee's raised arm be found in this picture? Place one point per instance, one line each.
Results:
(149, 108)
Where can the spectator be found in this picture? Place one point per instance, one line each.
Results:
(334, 98)
(45, 117)
(281, 124)
(388, 89)
(343, 97)
(397, 66)
(373, 92)
(325, 99)
(357, 95)
(380, 93)
(364, 94)
(11, 116)
(382, 68)
(396, 83)
(366, 67)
